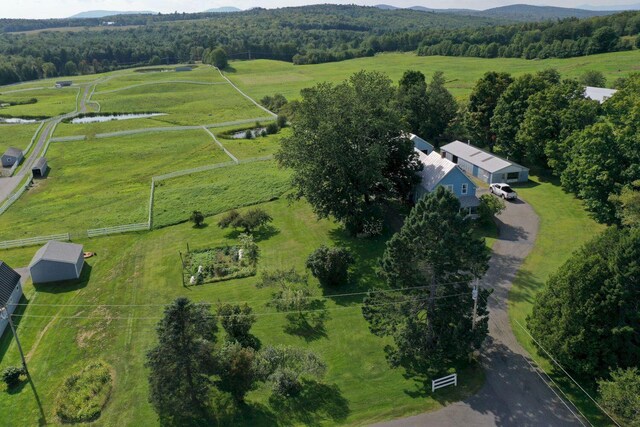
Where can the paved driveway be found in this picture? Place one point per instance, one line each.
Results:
(514, 393)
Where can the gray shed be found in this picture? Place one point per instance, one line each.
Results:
(39, 168)
(64, 83)
(57, 261)
(184, 68)
(12, 156)
(484, 165)
(10, 292)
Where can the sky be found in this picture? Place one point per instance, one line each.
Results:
(63, 8)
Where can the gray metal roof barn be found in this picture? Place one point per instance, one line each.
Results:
(12, 156)
(57, 261)
(39, 168)
(10, 292)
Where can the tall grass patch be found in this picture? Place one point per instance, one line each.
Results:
(84, 394)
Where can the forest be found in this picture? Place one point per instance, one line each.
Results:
(302, 35)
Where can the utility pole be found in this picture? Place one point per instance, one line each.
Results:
(474, 296)
(4, 314)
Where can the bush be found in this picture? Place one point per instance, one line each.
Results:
(621, 395)
(272, 128)
(281, 121)
(197, 218)
(330, 265)
(249, 221)
(84, 394)
(489, 207)
(11, 375)
(248, 134)
(285, 383)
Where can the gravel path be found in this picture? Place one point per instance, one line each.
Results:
(515, 393)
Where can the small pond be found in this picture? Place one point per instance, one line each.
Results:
(17, 120)
(110, 117)
(242, 134)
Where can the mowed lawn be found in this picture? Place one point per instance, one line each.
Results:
(17, 136)
(51, 102)
(144, 270)
(564, 227)
(186, 104)
(103, 182)
(264, 77)
(218, 190)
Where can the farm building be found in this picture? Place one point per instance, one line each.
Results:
(39, 169)
(599, 94)
(421, 144)
(64, 83)
(10, 292)
(438, 171)
(11, 157)
(484, 165)
(57, 261)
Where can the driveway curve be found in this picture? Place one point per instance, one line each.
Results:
(515, 393)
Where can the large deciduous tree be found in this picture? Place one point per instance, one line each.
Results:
(180, 363)
(348, 152)
(432, 259)
(412, 93)
(588, 315)
(482, 102)
(441, 108)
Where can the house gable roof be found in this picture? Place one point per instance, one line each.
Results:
(68, 253)
(13, 152)
(435, 169)
(599, 94)
(474, 155)
(40, 163)
(9, 279)
(420, 143)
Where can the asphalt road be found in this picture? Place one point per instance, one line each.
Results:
(514, 393)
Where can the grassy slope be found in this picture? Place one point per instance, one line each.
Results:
(120, 80)
(564, 226)
(251, 148)
(145, 269)
(17, 136)
(51, 102)
(264, 77)
(91, 129)
(104, 182)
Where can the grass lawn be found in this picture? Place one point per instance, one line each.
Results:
(217, 191)
(564, 227)
(251, 148)
(51, 102)
(186, 104)
(264, 77)
(145, 269)
(91, 129)
(103, 182)
(17, 136)
(123, 79)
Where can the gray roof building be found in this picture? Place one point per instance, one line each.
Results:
(421, 144)
(11, 156)
(484, 165)
(10, 292)
(39, 168)
(57, 261)
(600, 94)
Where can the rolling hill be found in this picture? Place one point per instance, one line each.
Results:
(104, 13)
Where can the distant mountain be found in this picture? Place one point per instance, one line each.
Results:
(103, 13)
(224, 9)
(387, 7)
(611, 7)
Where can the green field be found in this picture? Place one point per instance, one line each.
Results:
(104, 182)
(119, 80)
(251, 148)
(51, 102)
(263, 77)
(17, 136)
(92, 129)
(564, 227)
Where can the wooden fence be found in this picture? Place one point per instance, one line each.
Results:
(15, 196)
(143, 226)
(34, 241)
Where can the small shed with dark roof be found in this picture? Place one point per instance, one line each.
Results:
(39, 168)
(10, 292)
(12, 156)
(57, 261)
(64, 83)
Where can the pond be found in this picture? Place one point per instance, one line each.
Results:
(242, 134)
(17, 120)
(110, 117)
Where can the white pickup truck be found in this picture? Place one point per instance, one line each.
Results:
(504, 191)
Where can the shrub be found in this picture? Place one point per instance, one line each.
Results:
(489, 207)
(11, 375)
(272, 128)
(84, 394)
(250, 249)
(264, 133)
(330, 265)
(248, 134)
(285, 383)
(281, 121)
(621, 395)
(197, 218)
(249, 221)
(237, 321)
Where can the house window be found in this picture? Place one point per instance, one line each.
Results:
(465, 188)
(449, 187)
(513, 175)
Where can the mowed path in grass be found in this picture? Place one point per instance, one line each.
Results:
(144, 269)
(265, 77)
(103, 182)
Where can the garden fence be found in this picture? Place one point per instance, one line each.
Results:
(143, 226)
(15, 196)
(34, 241)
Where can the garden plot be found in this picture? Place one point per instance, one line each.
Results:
(104, 182)
(217, 191)
(185, 104)
(17, 136)
(50, 103)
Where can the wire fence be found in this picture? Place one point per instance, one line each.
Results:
(118, 229)
(15, 196)
(31, 241)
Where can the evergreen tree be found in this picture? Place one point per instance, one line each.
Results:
(435, 249)
(179, 365)
(441, 108)
(482, 102)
